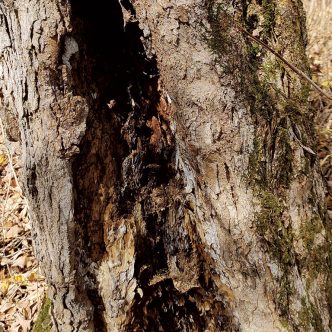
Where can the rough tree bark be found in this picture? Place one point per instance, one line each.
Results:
(169, 163)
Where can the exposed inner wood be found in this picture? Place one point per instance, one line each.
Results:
(126, 169)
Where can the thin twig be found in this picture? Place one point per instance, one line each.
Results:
(291, 66)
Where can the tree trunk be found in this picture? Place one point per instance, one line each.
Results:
(169, 163)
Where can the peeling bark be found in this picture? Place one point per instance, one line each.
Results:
(168, 164)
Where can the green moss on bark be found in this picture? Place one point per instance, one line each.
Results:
(278, 103)
(318, 260)
(43, 322)
(310, 317)
(271, 221)
(257, 166)
(272, 227)
(284, 159)
(274, 231)
(269, 16)
(218, 39)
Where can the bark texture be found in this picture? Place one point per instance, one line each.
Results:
(169, 163)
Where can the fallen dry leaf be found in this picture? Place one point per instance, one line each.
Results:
(21, 261)
(4, 286)
(13, 232)
(3, 161)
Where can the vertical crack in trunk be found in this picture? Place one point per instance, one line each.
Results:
(126, 165)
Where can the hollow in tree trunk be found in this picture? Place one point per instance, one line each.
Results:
(169, 163)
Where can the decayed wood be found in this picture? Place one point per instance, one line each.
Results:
(167, 164)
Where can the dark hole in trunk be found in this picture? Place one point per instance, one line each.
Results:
(112, 66)
(119, 164)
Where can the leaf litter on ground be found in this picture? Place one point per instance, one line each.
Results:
(22, 288)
